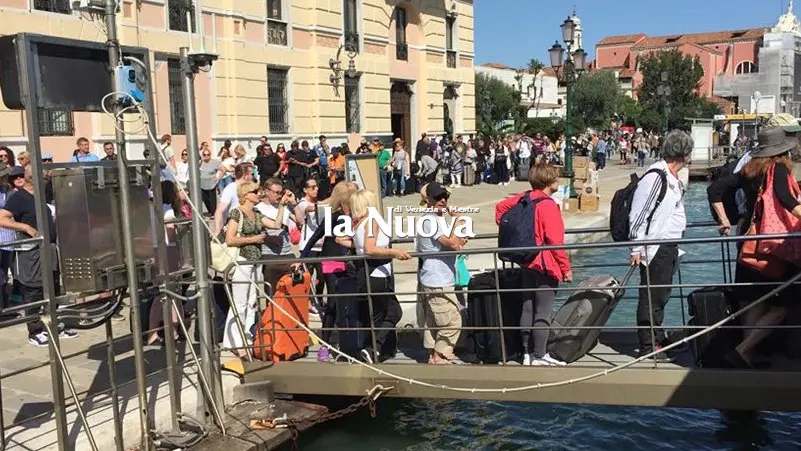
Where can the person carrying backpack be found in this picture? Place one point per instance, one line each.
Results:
(656, 212)
(531, 219)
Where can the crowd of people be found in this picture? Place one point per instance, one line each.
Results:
(267, 206)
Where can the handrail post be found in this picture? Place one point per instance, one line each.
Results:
(112, 378)
(370, 310)
(28, 71)
(500, 308)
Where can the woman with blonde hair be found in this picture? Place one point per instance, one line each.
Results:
(332, 271)
(245, 230)
(376, 270)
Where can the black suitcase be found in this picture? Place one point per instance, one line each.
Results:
(590, 306)
(707, 306)
(482, 311)
(351, 312)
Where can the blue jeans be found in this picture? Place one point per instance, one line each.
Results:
(601, 160)
(386, 183)
(400, 182)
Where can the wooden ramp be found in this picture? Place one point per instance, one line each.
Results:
(643, 384)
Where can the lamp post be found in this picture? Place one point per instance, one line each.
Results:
(663, 91)
(568, 69)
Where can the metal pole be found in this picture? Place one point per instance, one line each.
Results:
(31, 100)
(112, 377)
(209, 364)
(127, 236)
(568, 173)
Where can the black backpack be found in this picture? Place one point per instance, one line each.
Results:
(517, 230)
(621, 206)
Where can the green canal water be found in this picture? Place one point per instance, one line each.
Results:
(429, 425)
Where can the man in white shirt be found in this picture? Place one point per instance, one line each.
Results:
(655, 216)
(243, 172)
(524, 153)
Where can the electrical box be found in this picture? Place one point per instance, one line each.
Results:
(129, 82)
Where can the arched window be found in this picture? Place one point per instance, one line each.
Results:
(746, 67)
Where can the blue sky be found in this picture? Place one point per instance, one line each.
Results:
(513, 31)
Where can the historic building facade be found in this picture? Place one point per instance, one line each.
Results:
(283, 69)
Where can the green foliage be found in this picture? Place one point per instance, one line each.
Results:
(629, 111)
(553, 129)
(496, 102)
(535, 66)
(596, 96)
(684, 74)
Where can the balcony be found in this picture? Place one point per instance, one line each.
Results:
(450, 58)
(276, 33)
(402, 51)
(352, 41)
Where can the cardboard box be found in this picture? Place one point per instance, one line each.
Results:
(580, 162)
(571, 205)
(589, 202)
(587, 189)
(582, 174)
(594, 177)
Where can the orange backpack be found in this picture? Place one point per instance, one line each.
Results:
(273, 341)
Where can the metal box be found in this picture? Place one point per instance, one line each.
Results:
(89, 225)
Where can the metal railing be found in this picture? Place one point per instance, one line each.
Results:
(73, 308)
(506, 295)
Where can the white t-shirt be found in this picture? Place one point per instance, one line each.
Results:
(309, 227)
(229, 197)
(524, 148)
(229, 162)
(182, 172)
(382, 240)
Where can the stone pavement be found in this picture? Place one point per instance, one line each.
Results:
(27, 396)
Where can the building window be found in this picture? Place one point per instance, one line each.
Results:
(177, 11)
(352, 111)
(276, 23)
(351, 25)
(277, 100)
(53, 6)
(55, 122)
(746, 67)
(401, 47)
(450, 38)
(177, 117)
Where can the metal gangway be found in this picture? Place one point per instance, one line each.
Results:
(609, 374)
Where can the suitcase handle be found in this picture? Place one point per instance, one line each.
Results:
(621, 291)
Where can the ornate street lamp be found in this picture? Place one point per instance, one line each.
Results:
(663, 91)
(568, 70)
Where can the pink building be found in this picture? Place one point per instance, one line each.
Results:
(720, 53)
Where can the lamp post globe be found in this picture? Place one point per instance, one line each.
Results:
(568, 31)
(556, 53)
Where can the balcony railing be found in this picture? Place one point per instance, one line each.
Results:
(402, 51)
(276, 33)
(450, 58)
(351, 41)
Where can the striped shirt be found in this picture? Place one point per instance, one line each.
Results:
(6, 235)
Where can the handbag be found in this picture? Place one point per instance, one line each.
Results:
(222, 255)
(462, 273)
(775, 219)
(756, 256)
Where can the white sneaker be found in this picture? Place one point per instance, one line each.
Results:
(526, 359)
(553, 361)
(500, 184)
(541, 362)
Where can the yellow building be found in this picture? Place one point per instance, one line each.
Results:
(412, 61)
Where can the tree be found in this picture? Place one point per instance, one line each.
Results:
(684, 74)
(629, 111)
(496, 102)
(535, 66)
(596, 96)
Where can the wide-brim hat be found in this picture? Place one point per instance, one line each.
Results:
(774, 141)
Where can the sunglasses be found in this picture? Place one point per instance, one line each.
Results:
(184, 154)
(442, 197)
(255, 191)
(206, 154)
(16, 177)
(2, 155)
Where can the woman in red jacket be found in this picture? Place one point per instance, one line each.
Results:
(546, 271)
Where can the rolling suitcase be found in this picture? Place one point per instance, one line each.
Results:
(273, 341)
(706, 307)
(589, 306)
(482, 311)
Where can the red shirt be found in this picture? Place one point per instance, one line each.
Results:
(549, 229)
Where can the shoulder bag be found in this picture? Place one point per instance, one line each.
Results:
(222, 255)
